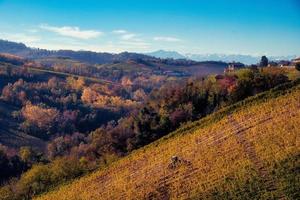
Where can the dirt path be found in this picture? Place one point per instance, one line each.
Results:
(250, 151)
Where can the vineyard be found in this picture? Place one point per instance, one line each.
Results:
(251, 153)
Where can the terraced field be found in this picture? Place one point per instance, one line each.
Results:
(253, 153)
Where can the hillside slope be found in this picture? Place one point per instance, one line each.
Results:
(252, 153)
(10, 135)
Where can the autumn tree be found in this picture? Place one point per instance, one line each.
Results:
(95, 99)
(264, 61)
(15, 93)
(44, 119)
(89, 96)
(126, 82)
(139, 95)
(297, 66)
(28, 155)
(76, 83)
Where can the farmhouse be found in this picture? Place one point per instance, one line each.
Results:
(291, 64)
(233, 66)
(295, 61)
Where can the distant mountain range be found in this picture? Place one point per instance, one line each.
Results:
(246, 59)
(166, 54)
(22, 50)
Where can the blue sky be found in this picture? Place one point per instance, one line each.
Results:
(255, 27)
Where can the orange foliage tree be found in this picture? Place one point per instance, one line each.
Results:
(95, 99)
(43, 118)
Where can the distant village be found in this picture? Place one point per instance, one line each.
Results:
(233, 66)
(283, 64)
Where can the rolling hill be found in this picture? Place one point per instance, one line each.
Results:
(10, 135)
(21, 49)
(137, 63)
(249, 150)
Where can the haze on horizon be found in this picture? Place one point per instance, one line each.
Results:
(239, 27)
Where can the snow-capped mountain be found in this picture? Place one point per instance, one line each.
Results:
(246, 59)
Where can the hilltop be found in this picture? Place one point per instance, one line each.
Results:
(245, 151)
(21, 49)
(137, 62)
(91, 57)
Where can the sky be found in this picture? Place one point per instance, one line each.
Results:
(254, 27)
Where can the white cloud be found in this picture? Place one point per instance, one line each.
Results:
(120, 31)
(20, 37)
(167, 39)
(129, 36)
(73, 32)
(32, 30)
(132, 37)
(97, 47)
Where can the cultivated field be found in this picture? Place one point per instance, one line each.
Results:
(252, 153)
